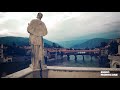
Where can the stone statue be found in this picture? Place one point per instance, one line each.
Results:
(37, 29)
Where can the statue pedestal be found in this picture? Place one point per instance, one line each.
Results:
(31, 66)
(43, 67)
(38, 72)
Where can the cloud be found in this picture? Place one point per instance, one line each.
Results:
(15, 23)
(85, 24)
(61, 25)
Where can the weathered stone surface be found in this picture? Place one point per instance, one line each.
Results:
(37, 29)
(81, 68)
(20, 74)
(65, 72)
(80, 72)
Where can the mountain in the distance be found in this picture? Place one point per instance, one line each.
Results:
(21, 41)
(92, 43)
(82, 39)
(68, 44)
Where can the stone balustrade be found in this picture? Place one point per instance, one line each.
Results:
(65, 72)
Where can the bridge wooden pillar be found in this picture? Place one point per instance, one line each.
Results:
(75, 58)
(68, 57)
(83, 57)
(91, 57)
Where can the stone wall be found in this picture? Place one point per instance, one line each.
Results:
(114, 60)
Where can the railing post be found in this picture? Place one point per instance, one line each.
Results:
(40, 69)
(75, 58)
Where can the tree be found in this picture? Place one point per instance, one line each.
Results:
(113, 49)
(92, 48)
(59, 47)
(86, 48)
(14, 44)
(103, 44)
(97, 47)
(54, 45)
(47, 45)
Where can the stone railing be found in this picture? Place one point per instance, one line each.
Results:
(19, 74)
(80, 72)
(65, 72)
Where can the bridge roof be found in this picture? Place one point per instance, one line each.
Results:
(75, 50)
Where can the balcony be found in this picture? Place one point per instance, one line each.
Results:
(65, 72)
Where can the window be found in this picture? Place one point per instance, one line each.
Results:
(117, 66)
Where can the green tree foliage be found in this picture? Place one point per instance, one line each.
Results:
(113, 49)
(54, 45)
(103, 44)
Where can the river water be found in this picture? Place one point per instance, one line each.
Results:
(87, 62)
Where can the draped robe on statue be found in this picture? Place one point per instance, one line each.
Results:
(37, 30)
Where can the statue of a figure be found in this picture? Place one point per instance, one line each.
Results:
(37, 29)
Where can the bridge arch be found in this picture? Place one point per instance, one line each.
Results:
(79, 57)
(72, 57)
(116, 64)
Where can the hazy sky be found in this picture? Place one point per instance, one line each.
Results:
(61, 25)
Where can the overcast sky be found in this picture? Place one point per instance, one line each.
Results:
(61, 25)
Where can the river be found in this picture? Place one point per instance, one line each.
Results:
(87, 62)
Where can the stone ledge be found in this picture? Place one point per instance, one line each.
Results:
(19, 74)
(27, 71)
(114, 57)
(81, 69)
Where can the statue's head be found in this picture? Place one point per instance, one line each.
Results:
(39, 15)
